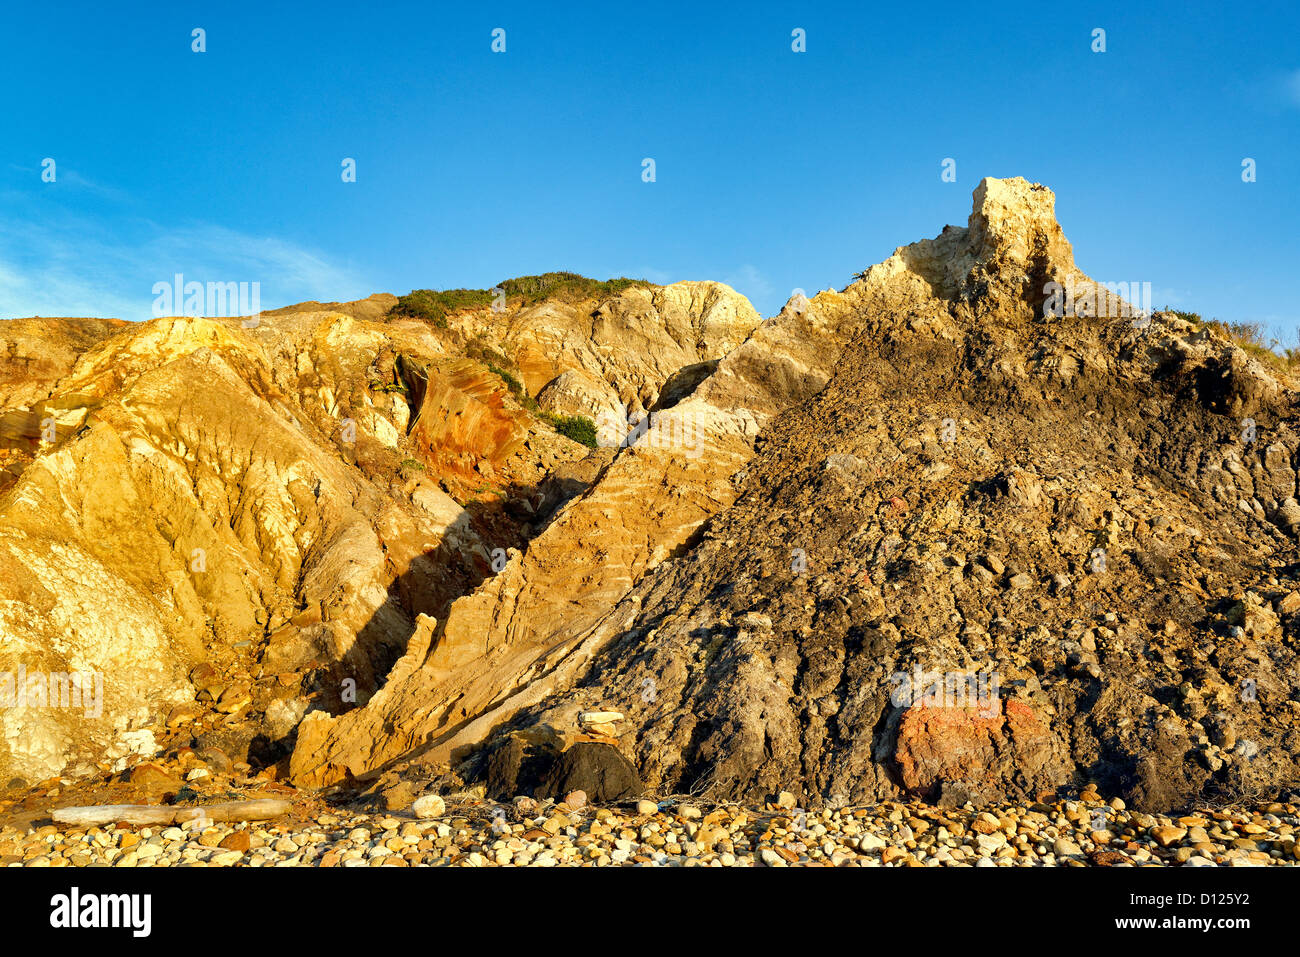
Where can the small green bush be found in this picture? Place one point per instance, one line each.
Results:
(485, 352)
(514, 385)
(1193, 317)
(577, 427)
(434, 306)
(564, 285)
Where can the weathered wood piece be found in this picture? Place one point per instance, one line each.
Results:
(258, 809)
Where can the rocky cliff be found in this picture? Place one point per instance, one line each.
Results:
(968, 529)
(233, 522)
(925, 484)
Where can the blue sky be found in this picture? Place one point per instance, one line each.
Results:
(775, 170)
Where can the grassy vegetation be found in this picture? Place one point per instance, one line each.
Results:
(485, 352)
(577, 427)
(564, 285)
(434, 306)
(1249, 336)
(514, 385)
(1193, 317)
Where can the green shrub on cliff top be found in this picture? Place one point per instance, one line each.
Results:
(434, 306)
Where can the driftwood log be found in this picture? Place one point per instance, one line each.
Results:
(261, 809)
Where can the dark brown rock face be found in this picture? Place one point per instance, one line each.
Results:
(601, 771)
(1099, 512)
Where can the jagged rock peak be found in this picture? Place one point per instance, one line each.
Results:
(1011, 246)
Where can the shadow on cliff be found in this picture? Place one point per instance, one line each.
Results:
(431, 583)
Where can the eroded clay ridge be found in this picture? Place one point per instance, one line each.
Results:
(233, 523)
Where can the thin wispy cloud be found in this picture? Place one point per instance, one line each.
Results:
(220, 251)
(56, 261)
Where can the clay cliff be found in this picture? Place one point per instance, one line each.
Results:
(946, 533)
(234, 522)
